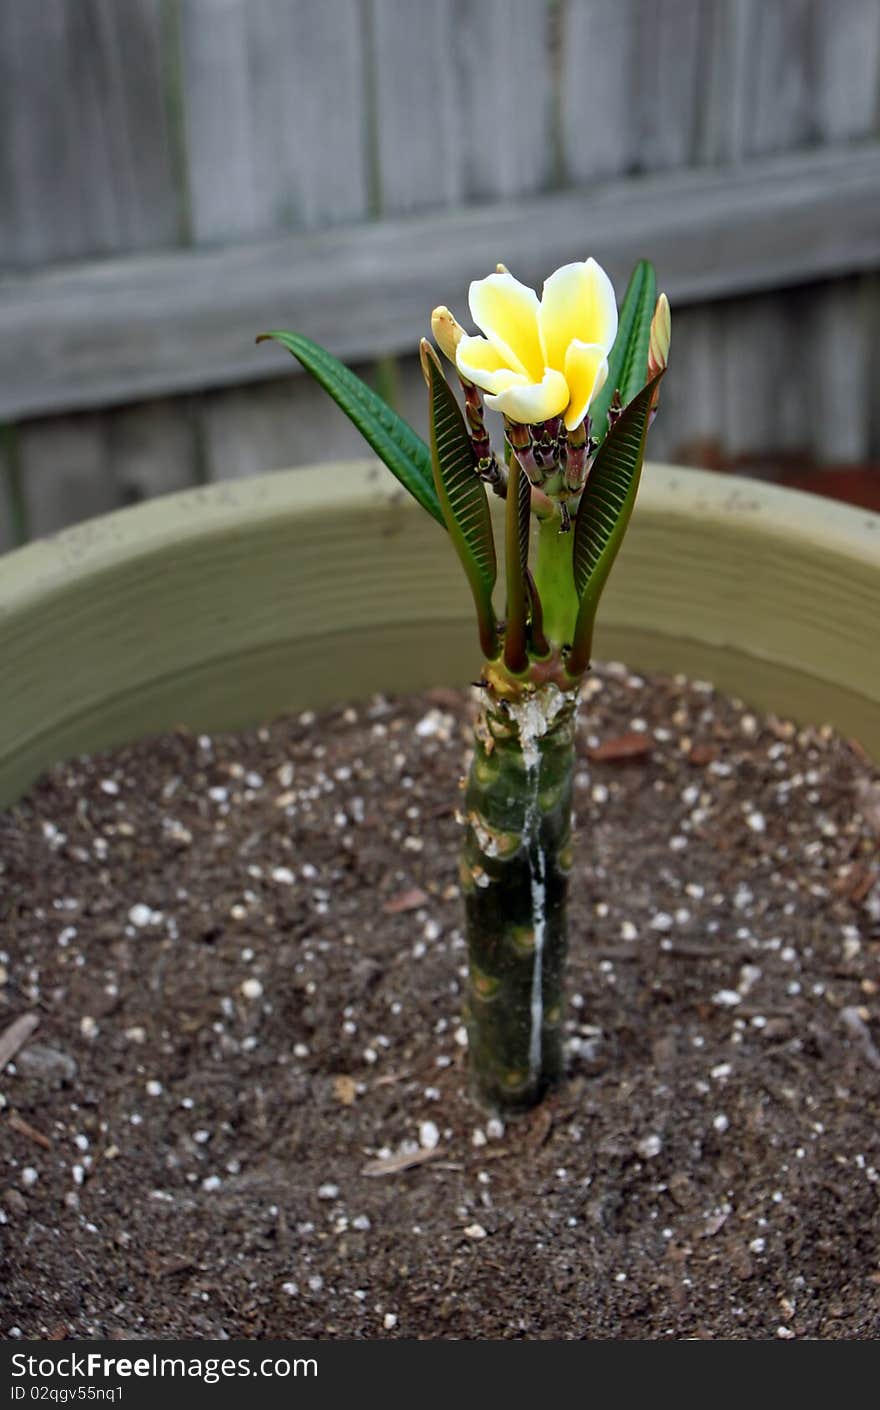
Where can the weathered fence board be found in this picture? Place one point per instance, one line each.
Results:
(94, 335)
(8, 535)
(847, 93)
(271, 149)
(418, 133)
(273, 97)
(153, 448)
(503, 89)
(65, 472)
(86, 163)
(288, 422)
(597, 61)
(666, 96)
(843, 336)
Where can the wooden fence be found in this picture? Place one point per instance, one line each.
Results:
(176, 175)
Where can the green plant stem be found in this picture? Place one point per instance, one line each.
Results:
(514, 869)
(554, 580)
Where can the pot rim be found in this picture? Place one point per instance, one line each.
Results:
(230, 603)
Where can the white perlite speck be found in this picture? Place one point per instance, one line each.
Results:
(283, 875)
(649, 1146)
(429, 1135)
(252, 989)
(142, 915)
(726, 998)
(474, 1231)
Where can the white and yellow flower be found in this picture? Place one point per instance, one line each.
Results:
(538, 358)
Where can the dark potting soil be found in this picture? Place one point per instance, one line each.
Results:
(244, 1112)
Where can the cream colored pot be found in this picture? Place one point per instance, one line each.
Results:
(227, 605)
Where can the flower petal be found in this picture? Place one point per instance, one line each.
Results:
(534, 402)
(507, 312)
(481, 363)
(578, 303)
(586, 367)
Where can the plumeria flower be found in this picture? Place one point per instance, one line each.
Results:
(539, 358)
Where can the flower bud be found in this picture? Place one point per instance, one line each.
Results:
(660, 338)
(447, 331)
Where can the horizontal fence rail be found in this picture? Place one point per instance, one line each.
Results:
(138, 326)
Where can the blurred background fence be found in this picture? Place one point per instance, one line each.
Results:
(176, 175)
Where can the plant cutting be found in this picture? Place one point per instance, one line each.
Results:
(354, 1059)
(577, 387)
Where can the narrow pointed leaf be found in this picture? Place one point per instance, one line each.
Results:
(517, 523)
(628, 362)
(462, 499)
(392, 438)
(604, 514)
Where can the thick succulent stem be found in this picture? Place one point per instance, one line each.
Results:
(514, 869)
(554, 579)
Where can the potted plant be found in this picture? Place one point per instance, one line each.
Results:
(227, 606)
(577, 394)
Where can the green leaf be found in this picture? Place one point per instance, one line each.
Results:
(628, 361)
(392, 438)
(604, 514)
(462, 497)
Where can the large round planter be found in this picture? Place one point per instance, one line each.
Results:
(230, 604)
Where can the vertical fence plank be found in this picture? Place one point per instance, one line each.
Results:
(419, 132)
(500, 72)
(847, 98)
(597, 72)
(7, 519)
(842, 333)
(275, 116)
(765, 380)
(285, 423)
(846, 316)
(463, 101)
(667, 85)
(217, 120)
(65, 471)
(274, 105)
(152, 448)
(725, 62)
(781, 75)
(689, 423)
(85, 152)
